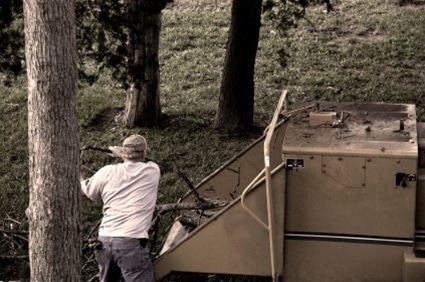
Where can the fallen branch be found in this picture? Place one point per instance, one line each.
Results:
(14, 232)
(164, 166)
(206, 204)
(161, 209)
(95, 148)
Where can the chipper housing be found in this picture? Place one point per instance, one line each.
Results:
(333, 192)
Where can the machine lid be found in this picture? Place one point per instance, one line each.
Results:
(367, 129)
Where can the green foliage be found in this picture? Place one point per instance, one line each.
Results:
(101, 38)
(102, 32)
(13, 151)
(102, 28)
(12, 38)
(13, 175)
(286, 14)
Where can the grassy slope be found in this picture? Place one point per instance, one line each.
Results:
(364, 51)
(374, 54)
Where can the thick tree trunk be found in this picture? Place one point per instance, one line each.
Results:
(53, 141)
(236, 104)
(142, 104)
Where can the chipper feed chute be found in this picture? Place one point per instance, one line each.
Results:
(233, 241)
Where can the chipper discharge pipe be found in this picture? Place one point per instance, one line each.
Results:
(269, 196)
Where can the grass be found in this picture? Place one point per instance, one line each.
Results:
(373, 55)
(363, 51)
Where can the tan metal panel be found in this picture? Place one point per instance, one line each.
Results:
(348, 171)
(413, 268)
(232, 242)
(319, 203)
(348, 183)
(392, 208)
(237, 173)
(308, 261)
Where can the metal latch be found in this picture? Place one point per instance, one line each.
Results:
(401, 178)
(294, 163)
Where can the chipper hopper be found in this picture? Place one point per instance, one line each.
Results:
(333, 192)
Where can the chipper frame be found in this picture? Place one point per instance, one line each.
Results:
(333, 192)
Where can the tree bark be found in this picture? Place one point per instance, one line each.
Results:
(53, 141)
(236, 103)
(142, 103)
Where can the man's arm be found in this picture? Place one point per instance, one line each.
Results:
(91, 187)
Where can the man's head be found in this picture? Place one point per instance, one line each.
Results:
(134, 147)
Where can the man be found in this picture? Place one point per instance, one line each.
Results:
(128, 191)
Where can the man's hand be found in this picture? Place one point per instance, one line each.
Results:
(115, 151)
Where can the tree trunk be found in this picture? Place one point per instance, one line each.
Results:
(142, 104)
(236, 104)
(53, 141)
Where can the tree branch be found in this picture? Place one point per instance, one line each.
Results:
(165, 167)
(203, 205)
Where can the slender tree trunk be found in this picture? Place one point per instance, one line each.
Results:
(53, 141)
(143, 103)
(236, 104)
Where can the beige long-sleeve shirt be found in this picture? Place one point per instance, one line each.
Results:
(129, 192)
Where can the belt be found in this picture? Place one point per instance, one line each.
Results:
(143, 242)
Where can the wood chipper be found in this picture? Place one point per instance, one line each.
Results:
(333, 192)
